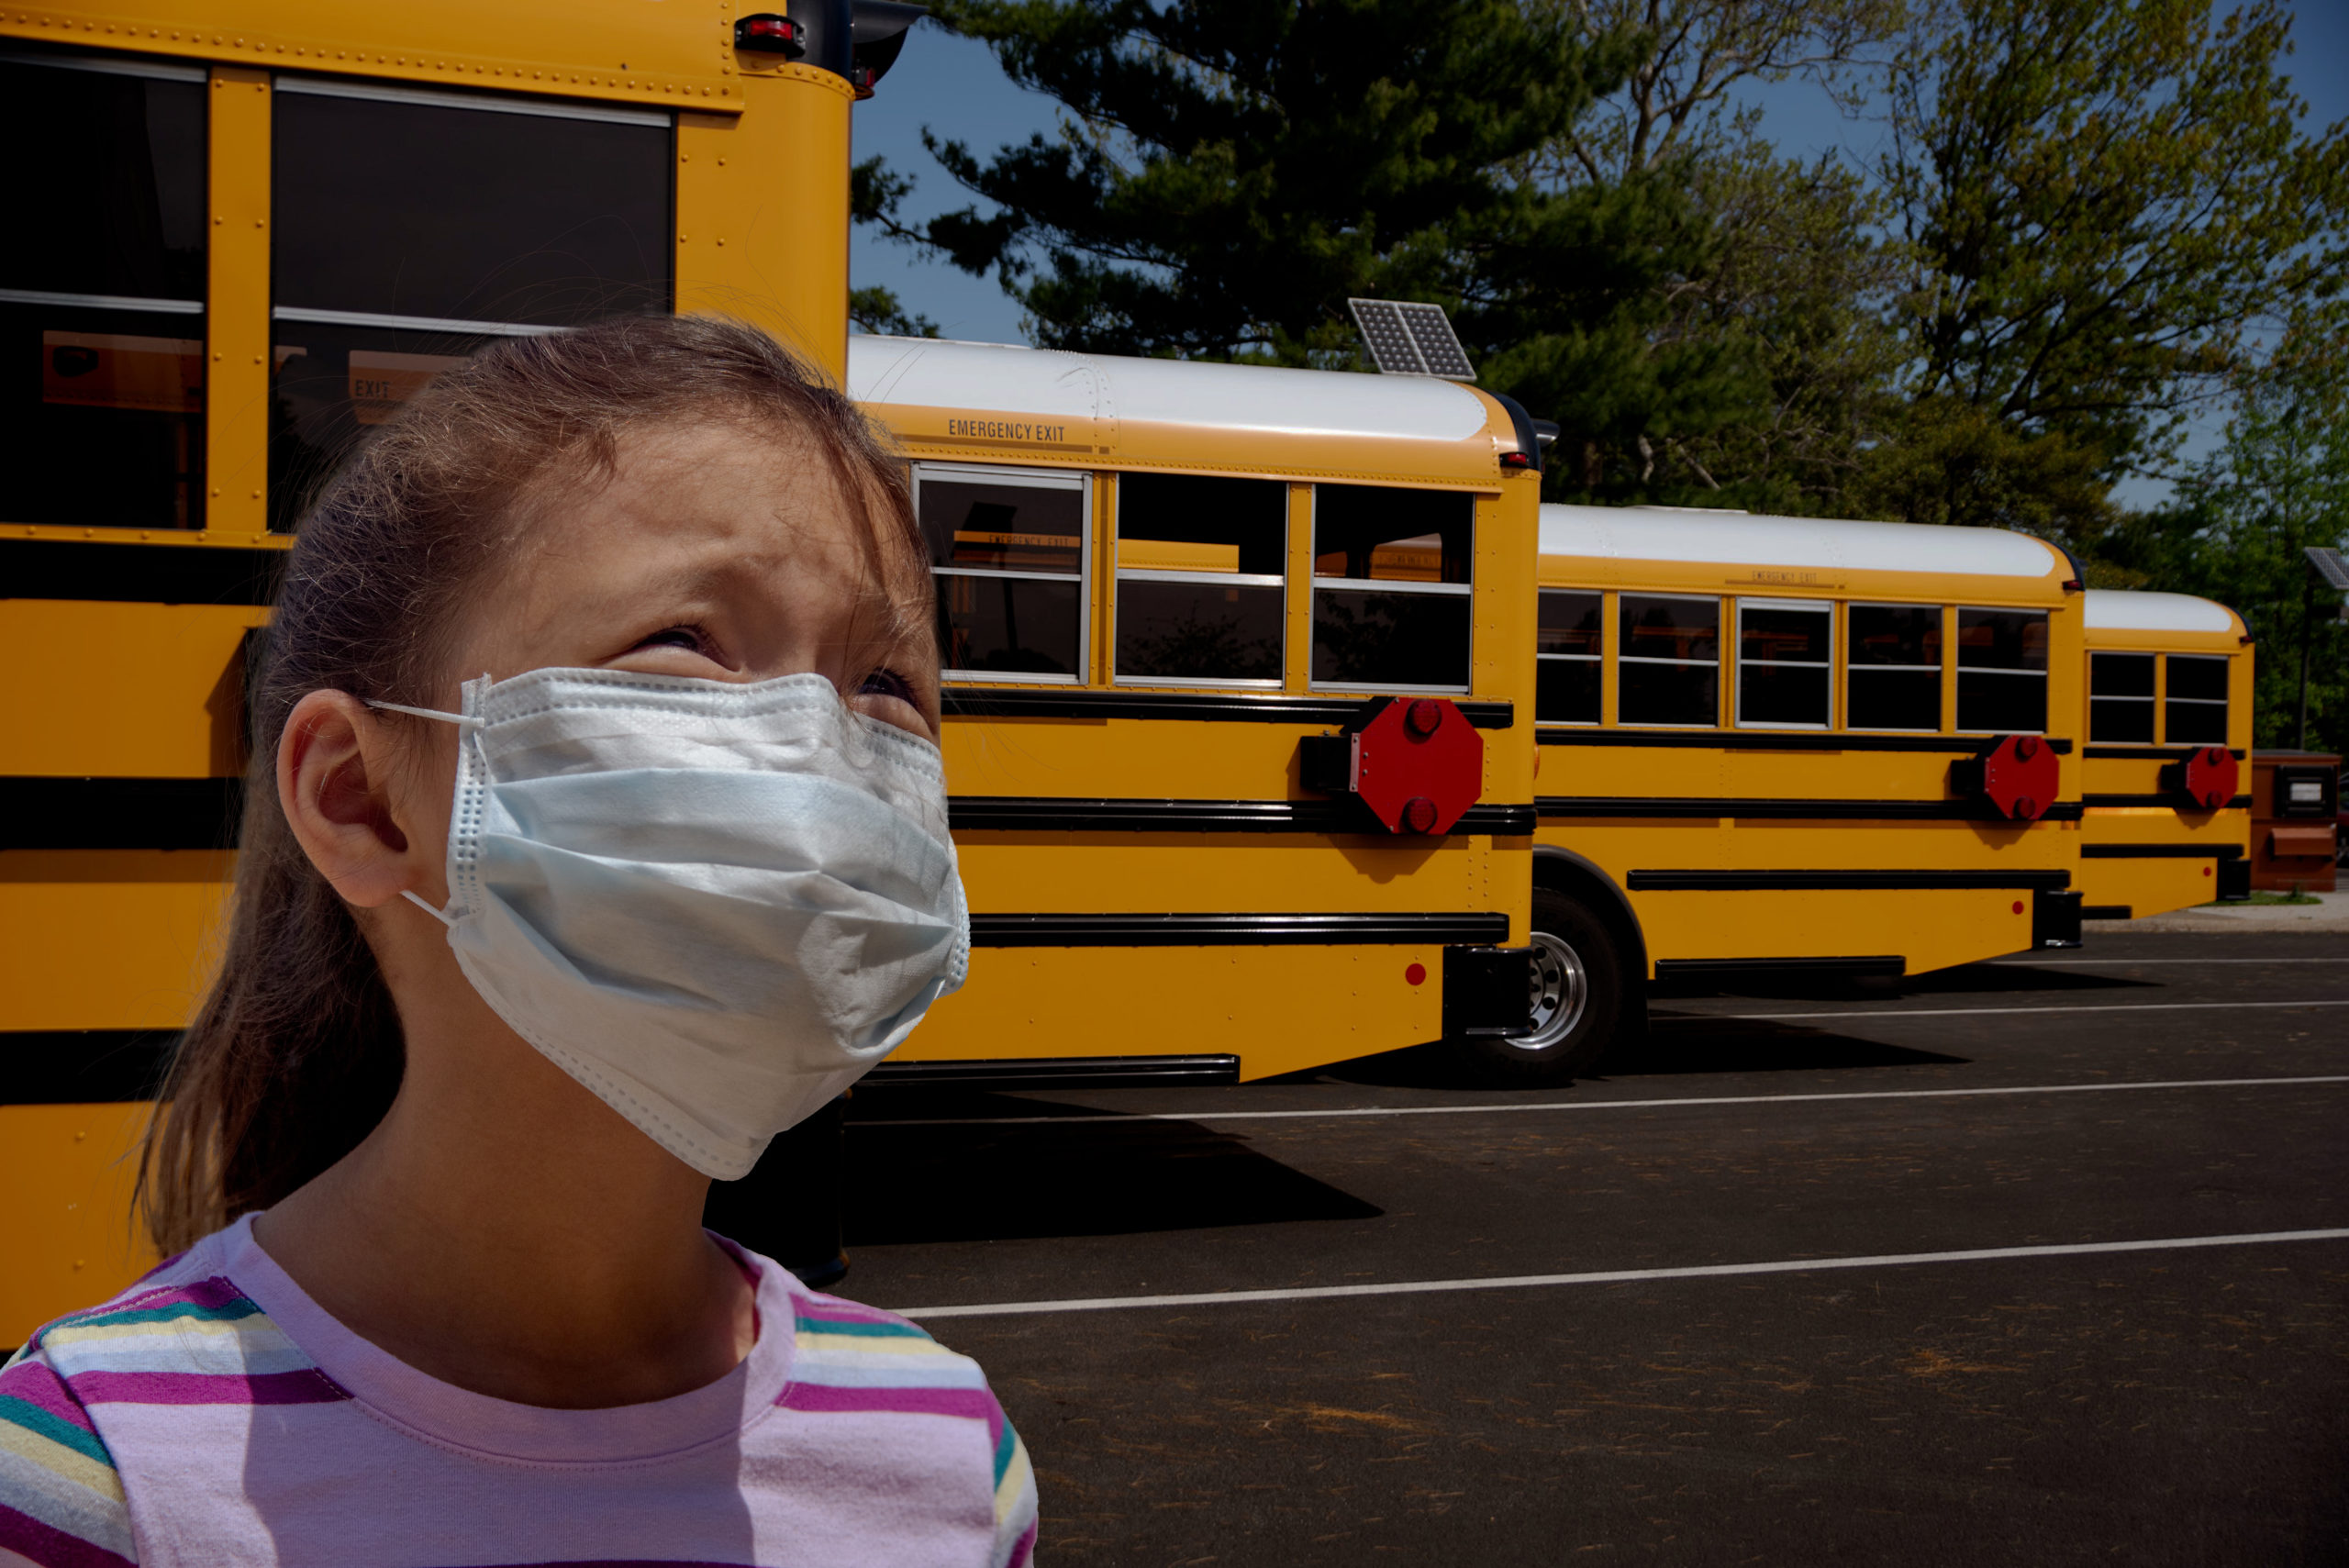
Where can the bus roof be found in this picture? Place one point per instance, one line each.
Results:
(1740, 539)
(2113, 609)
(995, 401)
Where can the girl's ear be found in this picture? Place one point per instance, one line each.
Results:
(334, 772)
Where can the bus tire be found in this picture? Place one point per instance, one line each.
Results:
(1579, 990)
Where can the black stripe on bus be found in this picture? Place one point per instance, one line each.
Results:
(119, 814)
(1234, 930)
(1697, 968)
(2108, 912)
(1055, 814)
(1055, 1072)
(1841, 881)
(2156, 753)
(129, 571)
(1214, 707)
(69, 1067)
(1777, 741)
(1767, 807)
(2160, 851)
(2240, 803)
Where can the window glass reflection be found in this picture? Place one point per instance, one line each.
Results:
(102, 274)
(407, 207)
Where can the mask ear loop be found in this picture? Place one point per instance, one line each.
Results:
(461, 721)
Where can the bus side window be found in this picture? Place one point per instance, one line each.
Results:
(102, 292)
(1784, 663)
(2194, 709)
(1893, 667)
(2002, 669)
(1391, 587)
(2120, 698)
(410, 229)
(1568, 656)
(1670, 666)
(1007, 548)
(1201, 578)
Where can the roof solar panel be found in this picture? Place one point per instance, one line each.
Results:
(1439, 347)
(1380, 322)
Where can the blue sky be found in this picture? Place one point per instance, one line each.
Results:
(954, 87)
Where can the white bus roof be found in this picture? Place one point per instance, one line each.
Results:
(2114, 609)
(1661, 534)
(1050, 383)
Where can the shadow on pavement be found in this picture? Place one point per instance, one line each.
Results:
(1693, 1042)
(921, 1184)
(1972, 979)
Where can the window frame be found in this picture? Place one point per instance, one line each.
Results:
(1389, 585)
(2042, 674)
(302, 85)
(1622, 642)
(2152, 699)
(1737, 696)
(2165, 697)
(1938, 671)
(1599, 659)
(1120, 574)
(1077, 479)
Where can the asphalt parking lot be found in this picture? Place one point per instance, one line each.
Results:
(1824, 1275)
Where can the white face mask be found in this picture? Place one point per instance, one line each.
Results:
(715, 905)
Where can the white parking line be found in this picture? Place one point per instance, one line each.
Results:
(1490, 1109)
(1616, 1276)
(1986, 1012)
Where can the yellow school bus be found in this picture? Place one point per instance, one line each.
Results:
(1798, 744)
(242, 233)
(2167, 780)
(1238, 711)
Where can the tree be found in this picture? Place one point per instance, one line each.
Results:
(1231, 170)
(2101, 204)
(875, 195)
(2244, 517)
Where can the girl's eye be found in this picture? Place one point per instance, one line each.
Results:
(682, 637)
(887, 683)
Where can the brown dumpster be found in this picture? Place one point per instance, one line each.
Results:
(2295, 798)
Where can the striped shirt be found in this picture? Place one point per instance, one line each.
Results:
(214, 1413)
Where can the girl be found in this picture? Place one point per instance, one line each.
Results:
(596, 835)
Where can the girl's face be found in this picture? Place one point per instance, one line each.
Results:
(719, 551)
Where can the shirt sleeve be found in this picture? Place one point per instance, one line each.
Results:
(61, 1498)
(1015, 1496)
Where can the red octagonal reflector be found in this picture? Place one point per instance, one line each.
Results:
(2209, 777)
(2017, 776)
(1415, 763)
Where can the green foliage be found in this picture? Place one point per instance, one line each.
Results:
(874, 196)
(1231, 170)
(2240, 521)
(2100, 202)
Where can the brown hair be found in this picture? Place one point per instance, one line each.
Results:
(296, 1053)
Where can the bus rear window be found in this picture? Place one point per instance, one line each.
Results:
(1893, 667)
(1567, 658)
(411, 227)
(2120, 698)
(1007, 548)
(1784, 663)
(1391, 572)
(102, 286)
(1201, 590)
(2194, 709)
(2002, 669)
(1669, 668)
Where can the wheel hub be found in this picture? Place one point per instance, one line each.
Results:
(1558, 993)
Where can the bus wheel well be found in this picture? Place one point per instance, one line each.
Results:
(1596, 890)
